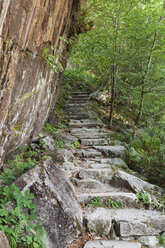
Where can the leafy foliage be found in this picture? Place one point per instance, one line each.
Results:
(18, 219)
(50, 128)
(52, 61)
(98, 202)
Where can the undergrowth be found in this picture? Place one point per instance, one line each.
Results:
(18, 219)
(110, 203)
(25, 159)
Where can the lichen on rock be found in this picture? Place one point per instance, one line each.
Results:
(58, 211)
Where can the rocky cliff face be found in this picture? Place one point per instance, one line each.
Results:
(27, 87)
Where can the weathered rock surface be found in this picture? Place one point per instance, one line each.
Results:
(88, 153)
(135, 184)
(149, 241)
(111, 244)
(3, 241)
(99, 174)
(98, 96)
(113, 151)
(58, 211)
(28, 89)
(49, 143)
(99, 222)
(131, 222)
(128, 199)
(84, 123)
(63, 155)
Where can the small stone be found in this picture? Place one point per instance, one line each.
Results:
(98, 222)
(49, 143)
(149, 240)
(63, 155)
(3, 241)
(111, 244)
(122, 179)
(115, 151)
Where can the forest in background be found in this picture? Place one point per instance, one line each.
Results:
(122, 54)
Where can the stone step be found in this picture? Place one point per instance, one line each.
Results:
(114, 151)
(73, 105)
(81, 93)
(129, 199)
(89, 185)
(102, 175)
(126, 222)
(91, 164)
(91, 135)
(76, 110)
(76, 117)
(76, 100)
(84, 123)
(79, 99)
(94, 142)
(111, 161)
(112, 244)
(122, 179)
(86, 153)
(86, 131)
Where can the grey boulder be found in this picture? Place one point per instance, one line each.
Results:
(58, 211)
(3, 241)
(122, 179)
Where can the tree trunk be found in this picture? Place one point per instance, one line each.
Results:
(112, 102)
(139, 116)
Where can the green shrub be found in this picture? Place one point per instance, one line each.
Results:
(50, 128)
(18, 220)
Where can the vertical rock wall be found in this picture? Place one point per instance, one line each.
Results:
(27, 86)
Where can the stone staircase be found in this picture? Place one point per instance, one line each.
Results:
(116, 219)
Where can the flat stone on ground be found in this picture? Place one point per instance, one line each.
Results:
(129, 199)
(99, 222)
(3, 241)
(87, 153)
(115, 151)
(94, 142)
(99, 174)
(122, 179)
(111, 244)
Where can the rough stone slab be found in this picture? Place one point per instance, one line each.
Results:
(85, 130)
(88, 153)
(122, 179)
(77, 117)
(84, 123)
(129, 199)
(92, 135)
(65, 137)
(150, 241)
(99, 174)
(100, 166)
(62, 155)
(115, 151)
(115, 161)
(111, 244)
(90, 185)
(77, 100)
(98, 222)
(49, 143)
(94, 142)
(135, 222)
(58, 211)
(68, 105)
(3, 241)
(74, 110)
